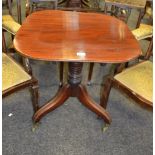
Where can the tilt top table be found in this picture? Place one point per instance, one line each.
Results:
(75, 37)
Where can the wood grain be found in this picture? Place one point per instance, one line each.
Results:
(54, 35)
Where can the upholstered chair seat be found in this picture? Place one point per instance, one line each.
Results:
(149, 12)
(9, 24)
(12, 73)
(139, 79)
(144, 31)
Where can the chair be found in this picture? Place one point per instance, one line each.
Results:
(5, 2)
(87, 4)
(73, 3)
(148, 13)
(124, 7)
(80, 3)
(136, 81)
(9, 24)
(34, 5)
(63, 3)
(9, 2)
(144, 32)
(14, 78)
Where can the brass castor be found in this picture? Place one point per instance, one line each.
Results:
(35, 126)
(105, 127)
(89, 83)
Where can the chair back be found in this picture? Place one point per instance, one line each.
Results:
(74, 3)
(36, 2)
(18, 9)
(149, 11)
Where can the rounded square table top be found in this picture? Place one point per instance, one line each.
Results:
(54, 35)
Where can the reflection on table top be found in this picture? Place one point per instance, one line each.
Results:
(74, 36)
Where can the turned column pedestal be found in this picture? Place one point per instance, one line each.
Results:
(74, 88)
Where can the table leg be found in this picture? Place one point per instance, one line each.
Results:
(74, 88)
(61, 96)
(86, 100)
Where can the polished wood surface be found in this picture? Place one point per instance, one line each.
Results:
(54, 35)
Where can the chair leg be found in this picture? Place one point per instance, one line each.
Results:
(3, 42)
(149, 50)
(119, 67)
(105, 93)
(126, 64)
(27, 66)
(90, 72)
(35, 95)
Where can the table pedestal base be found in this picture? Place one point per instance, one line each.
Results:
(72, 89)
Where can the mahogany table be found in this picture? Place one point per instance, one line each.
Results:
(76, 38)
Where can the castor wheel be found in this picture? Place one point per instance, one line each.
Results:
(105, 127)
(35, 126)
